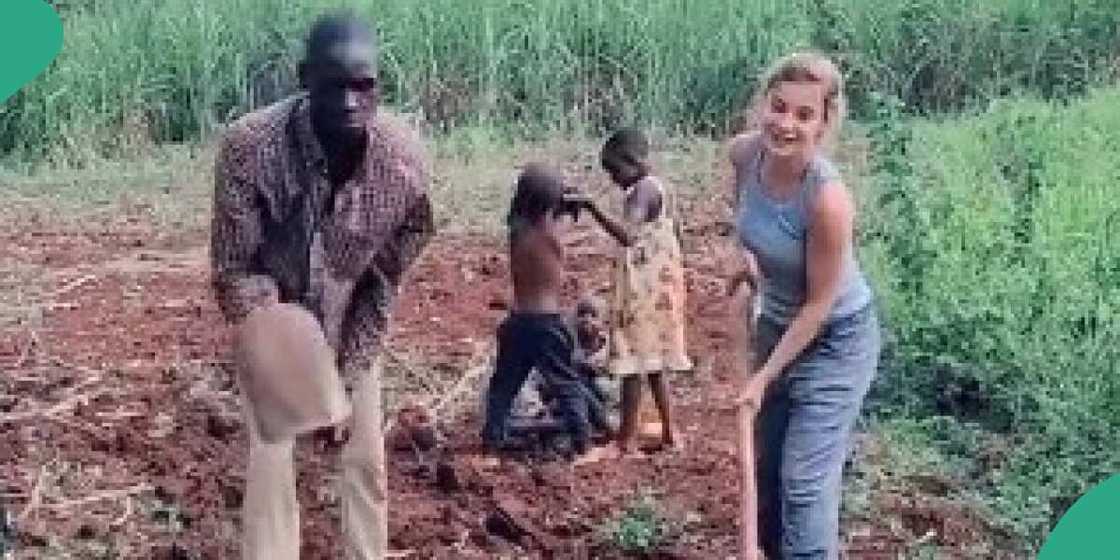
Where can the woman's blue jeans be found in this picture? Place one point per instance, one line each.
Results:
(802, 434)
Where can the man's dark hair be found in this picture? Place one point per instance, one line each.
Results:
(539, 190)
(335, 27)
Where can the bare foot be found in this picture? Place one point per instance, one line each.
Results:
(651, 429)
(632, 454)
(400, 553)
(485, 461)
(625, 451)
(593, 455)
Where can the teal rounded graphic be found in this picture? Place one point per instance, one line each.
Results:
(31, 34)
(1090, 529)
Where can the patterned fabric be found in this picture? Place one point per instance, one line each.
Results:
(648, 300)
(277, 228)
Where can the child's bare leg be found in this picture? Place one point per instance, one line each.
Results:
(660, 389)
(631, 398)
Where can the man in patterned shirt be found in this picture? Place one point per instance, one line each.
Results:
(321, 201)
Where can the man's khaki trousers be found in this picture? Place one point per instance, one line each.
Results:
(270, 511)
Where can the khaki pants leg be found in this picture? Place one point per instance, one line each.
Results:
(270, 510)
(365, 496)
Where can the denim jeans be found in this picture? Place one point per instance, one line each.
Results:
(802, 434)
(593, 396)
(543, 341)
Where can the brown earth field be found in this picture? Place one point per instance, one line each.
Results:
(120, 435)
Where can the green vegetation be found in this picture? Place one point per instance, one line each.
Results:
(641, 529)
(993, 240)
(133, 73)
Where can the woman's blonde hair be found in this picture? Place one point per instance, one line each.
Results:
(805, 67)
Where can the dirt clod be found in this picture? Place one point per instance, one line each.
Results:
(446, 479)
(86, 532)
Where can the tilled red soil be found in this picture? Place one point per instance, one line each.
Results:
(141, 330)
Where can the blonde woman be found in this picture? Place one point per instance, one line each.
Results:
(817, 339)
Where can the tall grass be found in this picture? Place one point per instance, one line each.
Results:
(994, 239)
(132, 73)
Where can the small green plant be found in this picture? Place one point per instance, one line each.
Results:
(641, 528)
(925, 551)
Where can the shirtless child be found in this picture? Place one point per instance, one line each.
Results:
(536, 334)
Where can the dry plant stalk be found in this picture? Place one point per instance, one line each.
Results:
(73, 396)
(480, 364)
(114, 495)
(440, 403)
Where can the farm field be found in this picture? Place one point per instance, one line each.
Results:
(985, 168)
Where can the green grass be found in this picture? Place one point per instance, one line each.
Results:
(993, 242)
(132, 74)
